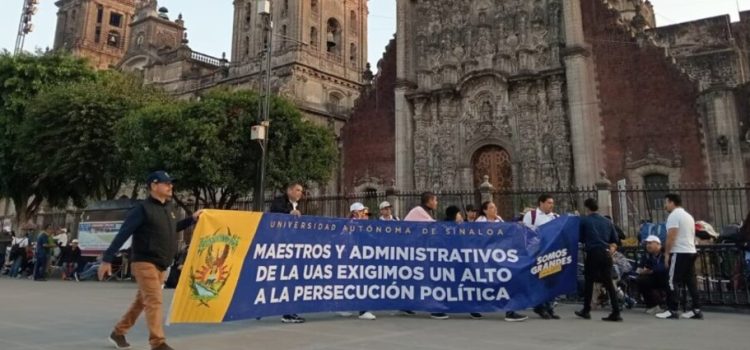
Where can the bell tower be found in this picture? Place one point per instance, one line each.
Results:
(318, 57)
(96, 30)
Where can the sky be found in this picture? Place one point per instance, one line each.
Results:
(209, 22)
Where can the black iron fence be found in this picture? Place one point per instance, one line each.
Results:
(722, 272)
(719, 205)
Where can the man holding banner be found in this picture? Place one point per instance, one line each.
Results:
(535, 218)
(289, 204)
(153, 226)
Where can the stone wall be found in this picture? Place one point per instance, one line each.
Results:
(648, 105)
(369, 136)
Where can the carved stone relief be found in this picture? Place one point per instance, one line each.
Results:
(527, 118)
(454, 38)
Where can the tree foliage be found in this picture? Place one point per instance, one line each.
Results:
(23, 77)
(68, 136)
(206, 145)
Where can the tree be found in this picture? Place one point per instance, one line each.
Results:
(206, 145)
(68, 136)
(23, 77)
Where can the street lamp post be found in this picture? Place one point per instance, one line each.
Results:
(264, 10)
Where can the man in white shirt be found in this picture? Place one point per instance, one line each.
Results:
(535, 218)
(542, 214)
(62, 238)
(679, 258)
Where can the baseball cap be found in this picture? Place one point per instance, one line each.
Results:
(653, 238)
(75, 241)
(160, 176)
(357, 206)
(384, 205)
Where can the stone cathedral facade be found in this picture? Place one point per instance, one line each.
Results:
(552, 94)
(532, 93)
(487, 94)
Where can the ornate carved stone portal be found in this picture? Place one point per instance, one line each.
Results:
(488, 73)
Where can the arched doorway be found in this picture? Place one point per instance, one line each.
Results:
(493, 161)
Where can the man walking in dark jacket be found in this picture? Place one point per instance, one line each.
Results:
(598, 234)
(153, 226)
(289, 204)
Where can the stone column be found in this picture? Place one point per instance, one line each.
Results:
(403, 114)
(604, 196)
(485, 189)
(585, 126)
(391, 195)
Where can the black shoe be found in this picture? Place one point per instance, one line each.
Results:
(407, 312)
(439, 316)
(612, 318)
(583, 314)
(118, 341)
(163, 346)
(553, 316)
(476, 316)
(515, 317)
(543, 314)
(293, 318)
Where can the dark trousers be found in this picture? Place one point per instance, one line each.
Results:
(651, 286)
(598, 268)
(682, 272)
(40, 267)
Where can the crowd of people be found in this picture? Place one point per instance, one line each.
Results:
(661, 272)
(39, 254)
(600, 237)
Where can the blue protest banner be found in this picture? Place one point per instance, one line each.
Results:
(312, 264)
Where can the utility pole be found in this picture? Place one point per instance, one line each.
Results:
(260, 132)
(25, 26)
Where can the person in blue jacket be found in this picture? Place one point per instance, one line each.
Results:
(652, 275)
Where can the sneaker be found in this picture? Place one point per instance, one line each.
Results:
(668, 315)
(543, 314)
(367, 315)
(407, 312)
(693, 315)
(515, 317)
(439, 316)
(476, 315)
(612, 318)
(75, 275)
(163, 346)
(583, 314)
(118, 341)
(293, 318)
(654, 310)
(554, 316)
(345, 314)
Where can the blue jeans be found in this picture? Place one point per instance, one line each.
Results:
(40, 267)
(89, 272)
(747, 265)
(15, 269)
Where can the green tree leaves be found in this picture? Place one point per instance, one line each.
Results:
(69, 133)
(206, 145)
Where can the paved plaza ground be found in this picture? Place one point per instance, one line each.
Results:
(71, 316)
